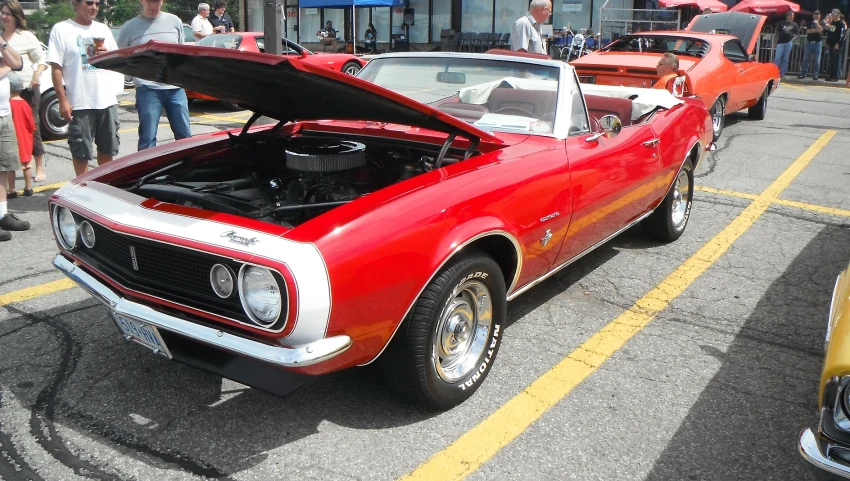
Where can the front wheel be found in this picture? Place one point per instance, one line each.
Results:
(757, 111)
(448, 343)
(668, 221)
(718, 117)
(351, 68)
(53, 125)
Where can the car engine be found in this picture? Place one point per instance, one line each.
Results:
(313, 175)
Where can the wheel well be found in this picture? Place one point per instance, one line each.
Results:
(504, 253)
(769, 86)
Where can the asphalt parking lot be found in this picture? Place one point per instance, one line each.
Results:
(696, 360)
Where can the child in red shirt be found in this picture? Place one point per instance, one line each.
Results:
(24, 128)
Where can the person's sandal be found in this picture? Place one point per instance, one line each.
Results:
(28, 192)
(40, 178)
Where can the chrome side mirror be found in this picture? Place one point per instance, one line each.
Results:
(611, 127)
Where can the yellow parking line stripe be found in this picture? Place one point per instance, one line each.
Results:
(730, 193)
(812, 207)
(792, 86)
(42, 188)
(474, 448)
(789, 203)
(36, 291)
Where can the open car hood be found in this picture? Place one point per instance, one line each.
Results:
(285, 89)
(745, 26)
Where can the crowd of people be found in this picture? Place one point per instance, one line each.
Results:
(824, 41)
(89, 100)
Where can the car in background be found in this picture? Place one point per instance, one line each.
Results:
(716, 53)
(827, 448)
(386, 218)
(255, 42)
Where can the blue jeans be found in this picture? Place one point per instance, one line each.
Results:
(149, 104)
(813, 50)
(780, 58)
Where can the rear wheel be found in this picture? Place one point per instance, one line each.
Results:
(718, 116)
(351, 68)
(447, 345)
(757, 111)
(53, 126)
(668, 221)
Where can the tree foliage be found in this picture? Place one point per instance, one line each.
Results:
(116, 13)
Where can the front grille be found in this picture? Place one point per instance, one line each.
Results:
(587, 79)
(170, 272)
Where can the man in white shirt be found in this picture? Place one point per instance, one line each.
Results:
(89, 100)
(152, 97)
(202, 27)
(525, 32)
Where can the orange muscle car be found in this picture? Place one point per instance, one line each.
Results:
(717, 53)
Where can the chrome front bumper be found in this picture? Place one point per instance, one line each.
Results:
(282, 356)
(811, 452)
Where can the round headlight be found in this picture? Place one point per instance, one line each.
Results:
(87, 234)
(260, 295)
(222, 280)
(65, 228)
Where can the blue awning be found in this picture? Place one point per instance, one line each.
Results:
(349, 3)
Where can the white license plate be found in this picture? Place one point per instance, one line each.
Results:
(142, 333)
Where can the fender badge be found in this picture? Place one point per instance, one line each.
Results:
(546, 238)
(238, 239)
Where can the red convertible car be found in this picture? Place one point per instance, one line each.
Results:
(717, 53)
(368, 226)
(255, 42)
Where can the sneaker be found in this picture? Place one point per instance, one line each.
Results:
(12, 194)
(12, 222)
(28, 192)
(801, 76)
(4, 235)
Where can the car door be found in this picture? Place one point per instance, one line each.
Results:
(613, 182)
(736, 73)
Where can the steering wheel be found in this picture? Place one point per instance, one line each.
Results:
(525, 113)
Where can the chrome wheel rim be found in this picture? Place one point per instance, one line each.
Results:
(53, 119)
(717, 115)
(681, 199)
(462, 331)
(352, 70)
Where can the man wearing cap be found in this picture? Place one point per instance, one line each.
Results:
(814, 37)
(151, 97)
(202, 27)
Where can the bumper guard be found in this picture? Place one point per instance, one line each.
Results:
(811, 451)
(282, 356)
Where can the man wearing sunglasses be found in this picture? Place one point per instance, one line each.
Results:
(152, 97)
(89, 100)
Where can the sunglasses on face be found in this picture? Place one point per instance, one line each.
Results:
(91, 2)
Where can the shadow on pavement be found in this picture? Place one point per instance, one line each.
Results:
(766, 388)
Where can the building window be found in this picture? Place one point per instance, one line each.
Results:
(381, 20)
(507, 12)
(419, 30)
(337, 18)
(441, 18)
(311, 22)
(574, 14)
(478, 15)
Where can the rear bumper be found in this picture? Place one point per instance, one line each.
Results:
(281, 356)
(825, 467)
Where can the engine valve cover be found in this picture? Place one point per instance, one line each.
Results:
(324, 155)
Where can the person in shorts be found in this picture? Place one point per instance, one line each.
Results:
(9, 159)
(89, 100)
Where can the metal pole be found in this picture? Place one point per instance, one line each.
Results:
(353, 28)
(271, 28)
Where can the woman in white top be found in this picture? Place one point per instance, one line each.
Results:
(25, 43)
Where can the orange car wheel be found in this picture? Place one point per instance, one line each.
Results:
(718, 116)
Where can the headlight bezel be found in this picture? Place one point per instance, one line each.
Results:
(58, 210)
(283, 296)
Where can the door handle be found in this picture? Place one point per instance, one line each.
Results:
(651, 143)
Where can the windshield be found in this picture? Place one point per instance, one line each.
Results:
(221, 40)
(494, 95)
(693, 47)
